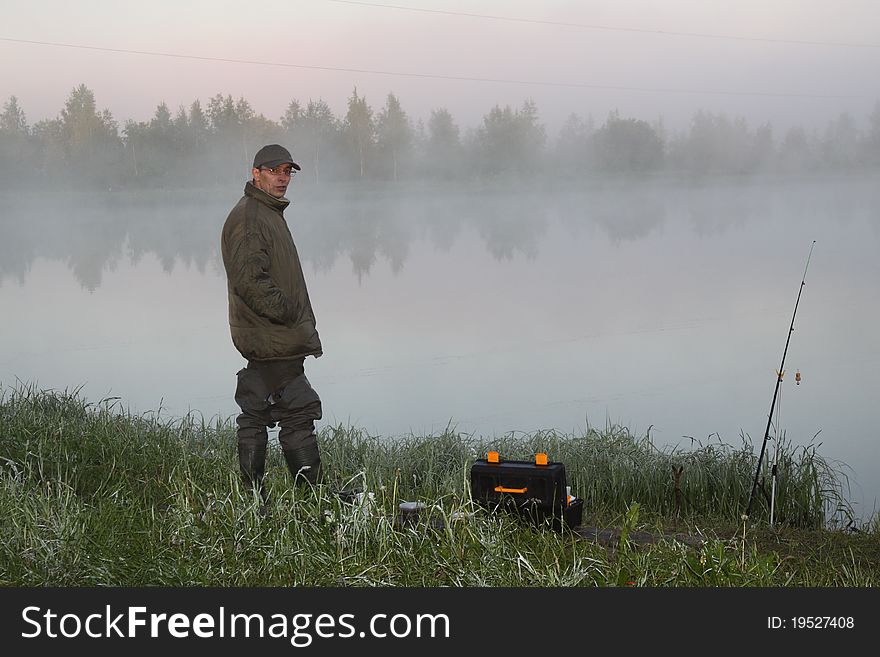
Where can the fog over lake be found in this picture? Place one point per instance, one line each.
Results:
(660, 306)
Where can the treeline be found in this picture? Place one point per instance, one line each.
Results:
(213, 144)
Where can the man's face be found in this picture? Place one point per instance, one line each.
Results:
(273, 181)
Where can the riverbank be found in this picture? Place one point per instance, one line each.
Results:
(91, 495)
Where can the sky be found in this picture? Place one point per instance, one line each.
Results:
(786, 62)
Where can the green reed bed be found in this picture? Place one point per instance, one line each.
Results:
(92, 495)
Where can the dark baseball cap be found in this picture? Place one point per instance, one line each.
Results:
(272, 155)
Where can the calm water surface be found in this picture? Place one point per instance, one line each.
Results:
(660, 307)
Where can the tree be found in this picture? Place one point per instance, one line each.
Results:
(572, 153)
(359, 130)
(13, 121)
(196, 133)
(184, 140)
(495, 140)
(90, 140)
(162, 119)
(84, 128)
(49, 138)
(16, 143)
(509, 140)
(763, 148)
(259, 131)
(228, 119)
(394, 134)
(180, 121)
(840, 146)
(795, 153)
(135, 137)
(237, 132)
(443, 150)
(155, 148)
(291, 121)
(318, 127)
(627, 145)
(532, 133)
(294, 126)
(222, 118)
(716, 144)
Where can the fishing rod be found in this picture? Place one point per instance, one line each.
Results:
(773, 468)
(779, 374)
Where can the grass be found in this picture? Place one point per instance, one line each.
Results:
(90, 495)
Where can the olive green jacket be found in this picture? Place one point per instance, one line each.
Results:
(270, 315)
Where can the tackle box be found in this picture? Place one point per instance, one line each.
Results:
(536, 489)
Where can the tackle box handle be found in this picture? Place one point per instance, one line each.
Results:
(502, 489)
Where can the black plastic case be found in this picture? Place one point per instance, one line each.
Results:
(536, 489)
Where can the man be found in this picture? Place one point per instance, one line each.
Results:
(272, 325)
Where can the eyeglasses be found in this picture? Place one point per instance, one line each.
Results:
(280, 171)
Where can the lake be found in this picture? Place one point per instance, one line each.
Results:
(660, 305)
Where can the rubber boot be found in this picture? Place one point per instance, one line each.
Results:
(304, 464)
(252, 461)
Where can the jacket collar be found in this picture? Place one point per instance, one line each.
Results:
(277, 204)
